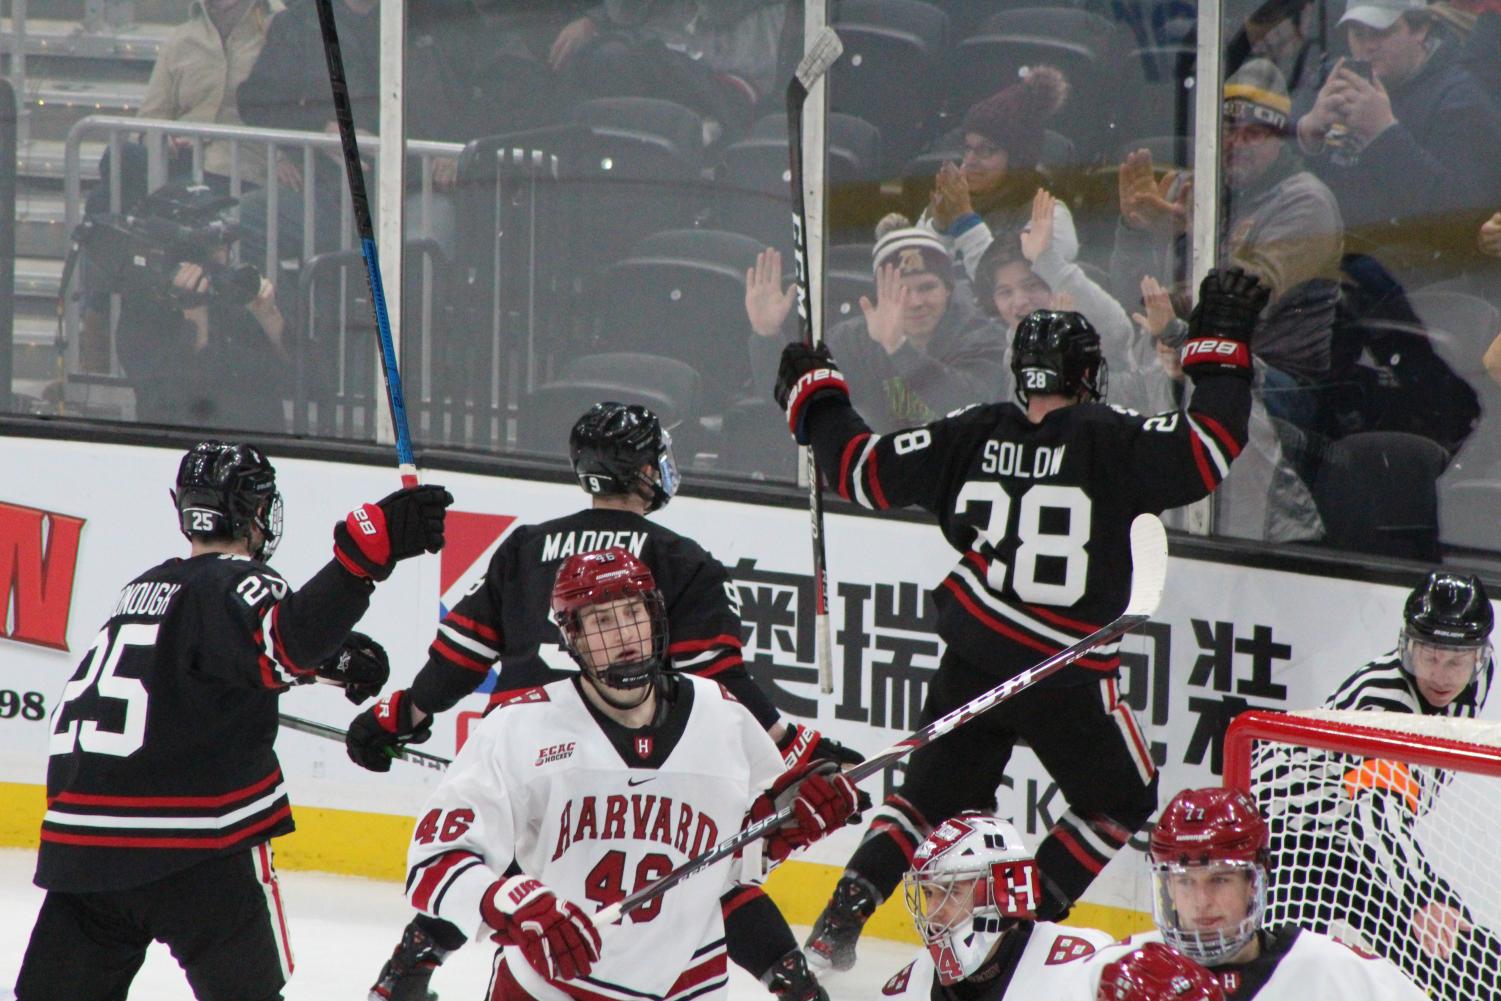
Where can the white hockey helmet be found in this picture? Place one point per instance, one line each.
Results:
(972, 880)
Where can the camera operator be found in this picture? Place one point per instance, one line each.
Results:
(202, 342)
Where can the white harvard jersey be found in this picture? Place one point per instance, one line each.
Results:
(1049, 956)
(1295, 965)
(595, 811)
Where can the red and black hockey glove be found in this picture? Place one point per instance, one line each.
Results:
(801, 746)
(360, 666)
(556, 936)
(375, 537)
(804, 375)
(822, 801)
(1219, 329)
(380, 731)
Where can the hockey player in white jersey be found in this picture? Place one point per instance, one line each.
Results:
(973, 891)
(1209, 879)
(574, 794)
(1157, 972)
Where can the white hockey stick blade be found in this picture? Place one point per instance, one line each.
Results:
(820, 56)
(1148, 565)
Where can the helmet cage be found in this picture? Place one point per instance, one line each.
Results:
(1207, 946)
(596, 602)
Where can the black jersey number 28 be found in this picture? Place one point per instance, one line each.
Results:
(1054, 551)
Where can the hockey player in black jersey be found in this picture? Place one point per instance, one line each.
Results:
(1038, 499)
(1349, 827)
(163, 787)
(623, 458)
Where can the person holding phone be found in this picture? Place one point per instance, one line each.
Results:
(1406, 139)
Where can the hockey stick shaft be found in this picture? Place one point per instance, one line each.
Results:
(317, 729)
(821, 53)
(355, 172)
(1148, 574)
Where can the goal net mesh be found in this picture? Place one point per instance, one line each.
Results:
(1384, 835)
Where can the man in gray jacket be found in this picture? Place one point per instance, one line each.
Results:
(919, 351)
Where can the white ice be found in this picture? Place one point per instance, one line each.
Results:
(343, 928)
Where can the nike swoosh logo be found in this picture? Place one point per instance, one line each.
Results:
(634, 782)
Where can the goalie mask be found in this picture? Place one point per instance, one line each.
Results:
(611, 443)
(972, 880)
(1058, 351)
(1209, 873)
(1446, 633)
(224, 490)
(613, 621)
(1156, 972)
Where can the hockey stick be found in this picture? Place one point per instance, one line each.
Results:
(1148, 573)
(405, 463)
(821, 53)
(405, 753)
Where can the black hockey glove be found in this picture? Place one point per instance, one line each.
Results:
(380, 731)
(789, 979)
(1219, 329)
(804, 375)
(375, 537)
(360, 665)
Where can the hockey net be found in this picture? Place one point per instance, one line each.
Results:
(1384, 835)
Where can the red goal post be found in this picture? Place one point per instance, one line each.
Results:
(1384, 833)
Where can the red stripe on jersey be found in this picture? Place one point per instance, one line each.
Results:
(479, 629)
(850, 448)
(508, 988)
(694, 646)
(991, 622)
(116, 841)
(897, 833)
(278, 649)
(1066, 839)
(149, 802)
(434, 875)
(873, 478)
(1084, 628)
(740, 899)
(268, 672)
(718, 666)
(1128, 723)
(443, 650)
(1218, 430)
(268, 877)
(1201, 458)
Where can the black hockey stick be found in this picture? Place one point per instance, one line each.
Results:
(1148, 573)
(820, 55)
(363, 226)
(403, 752)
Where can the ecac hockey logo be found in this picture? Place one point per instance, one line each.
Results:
(38, 558)
(557, 752)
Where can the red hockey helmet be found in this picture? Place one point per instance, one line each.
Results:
(613, 620)
(1209, 873)
(1156, 972)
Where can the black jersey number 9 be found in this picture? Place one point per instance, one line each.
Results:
(997, 527)
(98, 671)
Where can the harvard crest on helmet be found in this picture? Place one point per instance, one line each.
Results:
(1157, 972)
(223, 489)
(1057, 351)
(612, 441)
(1208, 830)
(613, 620)
(971, 881)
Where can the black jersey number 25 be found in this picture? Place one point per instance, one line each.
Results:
(1053, 551)
(99, 672)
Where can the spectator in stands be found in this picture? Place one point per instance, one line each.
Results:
(1287, 34)
(1281, 223)
(991, 190)
(919, 351)
(208, 347)
(718, 57)
(1407, 140)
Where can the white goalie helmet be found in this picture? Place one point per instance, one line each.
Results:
(972, 880)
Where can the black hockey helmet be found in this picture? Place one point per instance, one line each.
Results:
(1449, 609)
(1057, 351)
(611, 443)
(223, 489)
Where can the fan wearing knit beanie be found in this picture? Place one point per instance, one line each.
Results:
(916, 352)
(991, 189)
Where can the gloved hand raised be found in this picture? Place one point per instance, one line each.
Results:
(375, 537)
(1219, 329)
(803, 375)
